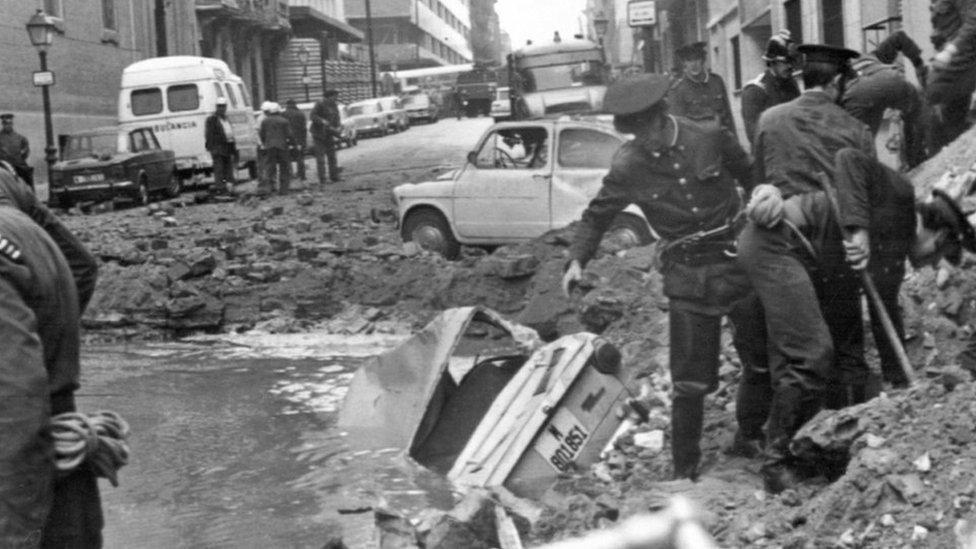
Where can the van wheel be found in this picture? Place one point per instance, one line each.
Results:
(175, 186)
(630, 231)
(431, 232)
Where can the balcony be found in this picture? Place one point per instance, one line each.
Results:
(265, 14)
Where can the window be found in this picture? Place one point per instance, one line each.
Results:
(587, 149)
(515, 148)
(108, 15)
(53, 8)
(147, 101)
(736, 63)
(183, 97)
(218, 89)
(137, 141)
(230, 95)
(244, 97)
(833, 22)
(794, 21)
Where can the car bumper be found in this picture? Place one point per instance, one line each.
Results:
(95, 192)
(420, 114)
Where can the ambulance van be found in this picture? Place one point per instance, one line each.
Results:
(175, 95)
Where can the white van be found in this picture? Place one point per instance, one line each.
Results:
(175, 95)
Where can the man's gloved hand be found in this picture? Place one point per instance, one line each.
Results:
(572, 276)
(765, 208)
(857, 248)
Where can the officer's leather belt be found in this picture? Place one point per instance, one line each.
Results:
(700, 252)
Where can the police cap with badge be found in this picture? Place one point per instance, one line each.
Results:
(827, 55)
(636, 94)
(690, 52)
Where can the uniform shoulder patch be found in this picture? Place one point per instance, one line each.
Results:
(10, 250)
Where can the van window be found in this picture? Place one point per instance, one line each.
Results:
(218, 89)
(147, 101)
(183, 98)
(138, 141)
(244, 97)
(231, 95)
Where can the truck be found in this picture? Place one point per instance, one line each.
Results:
(479, 85)
(562, 78)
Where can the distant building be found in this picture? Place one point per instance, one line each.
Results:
(416, 33)
(485, 32)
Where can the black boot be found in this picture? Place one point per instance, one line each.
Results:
(777, 469)
(687, 414)
(751, 412)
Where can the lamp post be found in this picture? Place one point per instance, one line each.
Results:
(369, 41)
(303, 59)
(600, 25)
(41, 29)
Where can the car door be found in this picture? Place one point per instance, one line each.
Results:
(583, 157)
(503, 196)
(150, 157)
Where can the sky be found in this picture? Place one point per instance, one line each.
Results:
(537, 19)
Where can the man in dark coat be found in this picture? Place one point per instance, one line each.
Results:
(326, 127)
(795, 149)
(39, 372)
(953, 70)
(219, 141)
(276, 140)
(15, 149)
(299, 132)
(774, 86)
(700, 94)
(682, 175)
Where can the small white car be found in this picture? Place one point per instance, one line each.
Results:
(396, 116)
(501, 107)
(419, 106)
(522, 180)
(368, 117)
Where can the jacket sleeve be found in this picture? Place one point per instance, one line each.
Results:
(736, 160)
(208, 136)
(759, 153)
(84, 267)
(729, 118)
(26, 474)
(753, 104)
(596, 219)
(24, 148)
(966, 36)
(853, 172)
(676, 100)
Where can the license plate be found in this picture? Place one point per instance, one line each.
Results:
(90, 178)
(562, 440)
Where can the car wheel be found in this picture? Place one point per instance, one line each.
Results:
(142, 193)
(175, 186)
(630, 231)
(430, 231)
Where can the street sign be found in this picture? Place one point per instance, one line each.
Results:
(43, 78)
(641, 13)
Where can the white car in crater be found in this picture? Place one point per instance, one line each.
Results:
(521, 180)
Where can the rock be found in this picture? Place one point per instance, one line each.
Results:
(942, 277)
(510, 267)
(272, 211)
(923, 463)
(110, 319)
(471, 523)
(909, 487)
(965, 533)
(952, 376)
(306, 253)
(280, 244)
(302, 226)
(201, 263)
(887, 520)
(600, 308)
(158, 244)
(755, 533)
(919, 533)
(207, 242)
(170, 221)
(543, 312)
(395, 531)
(178, 270)
(305, 199)
(874, 441)
(651, 440)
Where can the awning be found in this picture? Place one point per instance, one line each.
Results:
(305, 15)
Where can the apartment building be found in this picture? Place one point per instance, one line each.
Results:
(415, 33)
(485, 32)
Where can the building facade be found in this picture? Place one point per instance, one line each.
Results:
(486, 40)
(411, 34)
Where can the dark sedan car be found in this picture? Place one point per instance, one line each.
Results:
(109, 163)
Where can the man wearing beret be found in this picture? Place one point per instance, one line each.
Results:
(700, 94)
(953, 76)
(15, 149)
(682, 174)
(774, 86)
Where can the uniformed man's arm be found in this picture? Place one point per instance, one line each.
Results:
(854, 171)
(728, 118)
(753, 104)
(866, 139)
(596, 219)
(736, 160)
(759, 152)
(84, 267)
(676, 100)
(26, 473)
(24, 148)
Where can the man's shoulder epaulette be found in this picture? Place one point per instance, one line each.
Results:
(10, 250)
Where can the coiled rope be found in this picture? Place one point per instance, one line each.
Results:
(97, 439)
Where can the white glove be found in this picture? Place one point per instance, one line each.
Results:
(765, 208)
(573, 274)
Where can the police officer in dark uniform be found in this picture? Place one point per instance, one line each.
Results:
(774, 86)
(39, 371)
(700, 94)
(15, 149)
(953, 70)
(326, 126)
(682, 174)
(807, 307)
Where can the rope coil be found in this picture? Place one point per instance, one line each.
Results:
(98, 439)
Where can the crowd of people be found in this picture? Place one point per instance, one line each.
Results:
(781, 242)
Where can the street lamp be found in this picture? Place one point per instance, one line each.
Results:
(600, 25)
(303, 59)
(41, 28)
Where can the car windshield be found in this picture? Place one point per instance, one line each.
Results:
(501, 95)
(368, 108)
(584, 73)
(86, 145)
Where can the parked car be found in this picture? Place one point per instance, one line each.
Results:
(522, 180)
(368, 117)
(501, 106)
(396, 115)
(419, 106)
(113, 162)
(348, 137)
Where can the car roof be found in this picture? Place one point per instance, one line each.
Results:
(561, 123)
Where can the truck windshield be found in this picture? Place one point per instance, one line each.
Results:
(584, 73)
(99, 144)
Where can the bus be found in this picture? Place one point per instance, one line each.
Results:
(567, 77)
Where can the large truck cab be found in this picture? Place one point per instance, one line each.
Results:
(566, 77)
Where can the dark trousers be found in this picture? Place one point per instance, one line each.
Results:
(949, 92)
(298, 155)
(223, 172)
(325, 149)
(888, 283)
(695, 347)
(75, 521)
(277, 166)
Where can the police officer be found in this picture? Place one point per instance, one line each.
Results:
(39, 371)
(774, 86)
(953, 73)
(15, 149)
(299, 131)
(682, 175)
(219, 141)
(700, 94)
(795, 148)
(326, 125)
